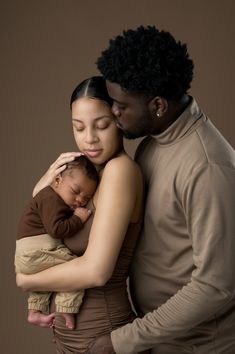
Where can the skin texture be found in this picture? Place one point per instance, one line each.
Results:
(95, 131)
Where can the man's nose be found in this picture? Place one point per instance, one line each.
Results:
(116, 112)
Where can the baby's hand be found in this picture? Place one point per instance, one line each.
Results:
(82, 213)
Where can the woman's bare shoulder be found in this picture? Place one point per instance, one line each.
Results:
(123, 163)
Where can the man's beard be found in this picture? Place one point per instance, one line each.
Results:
(133, 135)
(126, 133)
(129, 136)
(139, 131)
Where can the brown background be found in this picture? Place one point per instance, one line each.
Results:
(47, 47)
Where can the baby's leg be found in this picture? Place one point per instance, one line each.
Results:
(40, 319)
(67, 304)
(69, 320)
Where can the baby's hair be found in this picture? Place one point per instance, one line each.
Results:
(84, 164)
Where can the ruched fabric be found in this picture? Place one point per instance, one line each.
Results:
(103, 308)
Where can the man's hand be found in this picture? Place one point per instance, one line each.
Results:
(101, 345)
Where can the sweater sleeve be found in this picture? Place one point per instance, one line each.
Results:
(57, 217)
(208, 201)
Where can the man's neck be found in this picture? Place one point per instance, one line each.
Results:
(174, 111)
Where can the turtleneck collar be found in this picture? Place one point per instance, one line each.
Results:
(182, 126)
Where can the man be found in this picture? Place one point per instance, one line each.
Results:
(182, 279)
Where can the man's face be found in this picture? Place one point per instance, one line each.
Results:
(131, 112)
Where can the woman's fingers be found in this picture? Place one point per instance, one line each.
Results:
(55, 169)
(65, 158)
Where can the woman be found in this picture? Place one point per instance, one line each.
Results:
(112, 230)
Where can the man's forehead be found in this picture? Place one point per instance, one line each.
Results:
(118, 94)
(114, 87)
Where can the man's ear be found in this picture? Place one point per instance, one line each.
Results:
(158, 106)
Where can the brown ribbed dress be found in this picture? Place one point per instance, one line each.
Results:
(103, 308)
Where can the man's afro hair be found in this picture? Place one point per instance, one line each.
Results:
(149, 61)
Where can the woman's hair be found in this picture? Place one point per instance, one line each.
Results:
(93, 87)
(86, 166)
(148, 61)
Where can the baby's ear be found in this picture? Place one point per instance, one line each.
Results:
(58, 179)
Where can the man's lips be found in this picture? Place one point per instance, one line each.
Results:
(93, 152)
(118, 124)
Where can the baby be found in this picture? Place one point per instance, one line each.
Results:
(55, 213)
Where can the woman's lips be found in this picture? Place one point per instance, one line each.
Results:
(93, 153)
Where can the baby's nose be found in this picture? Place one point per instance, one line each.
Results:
(81, 200)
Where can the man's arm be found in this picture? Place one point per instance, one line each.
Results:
(209, 204)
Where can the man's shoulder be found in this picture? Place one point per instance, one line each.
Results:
(214, 145)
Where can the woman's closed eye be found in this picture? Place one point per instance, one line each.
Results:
(78, 128)
(102, 125)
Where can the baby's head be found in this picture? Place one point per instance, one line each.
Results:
(77, 183)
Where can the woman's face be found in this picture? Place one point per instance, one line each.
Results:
(95, 131)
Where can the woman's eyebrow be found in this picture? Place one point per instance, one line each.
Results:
(97, 118)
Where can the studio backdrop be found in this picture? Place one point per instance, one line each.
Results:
(49, 46)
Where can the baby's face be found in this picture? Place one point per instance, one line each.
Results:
(75, 188)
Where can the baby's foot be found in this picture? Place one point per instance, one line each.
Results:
(39, 319)
(69, 320)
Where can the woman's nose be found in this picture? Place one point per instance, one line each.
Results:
(91, 137)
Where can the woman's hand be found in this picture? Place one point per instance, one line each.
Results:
(54, 170)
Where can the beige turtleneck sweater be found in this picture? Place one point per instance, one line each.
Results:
(183, 272)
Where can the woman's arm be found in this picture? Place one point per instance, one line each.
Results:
(54, 170)
(116, 202)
